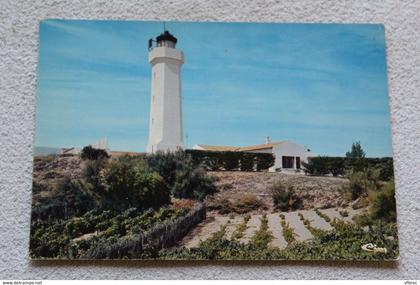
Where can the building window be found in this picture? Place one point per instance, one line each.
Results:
(287, 161)
(297, 162)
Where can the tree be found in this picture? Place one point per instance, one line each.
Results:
(88, 152)
(356, 151)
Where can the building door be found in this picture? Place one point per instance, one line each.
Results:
(297, 162)
(287, 161)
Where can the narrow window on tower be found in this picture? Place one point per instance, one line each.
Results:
(153, 121)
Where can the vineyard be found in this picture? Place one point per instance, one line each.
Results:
(165, 206)
(294, 236)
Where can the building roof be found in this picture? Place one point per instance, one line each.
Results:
(217, 148)
(260, 146)
(166, 36)
(235, 148)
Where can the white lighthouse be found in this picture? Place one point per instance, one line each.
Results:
(165, 125)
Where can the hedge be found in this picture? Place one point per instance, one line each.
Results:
(232, 160)
(323, 165)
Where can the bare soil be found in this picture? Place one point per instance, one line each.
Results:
(315, 192)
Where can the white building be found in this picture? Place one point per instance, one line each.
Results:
(165, 125)
(288, 155)
(100, 144)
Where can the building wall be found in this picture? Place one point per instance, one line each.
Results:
(289, 148)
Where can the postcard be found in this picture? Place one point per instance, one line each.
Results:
(212, 141)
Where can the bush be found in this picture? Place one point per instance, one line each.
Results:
(192, 182)
(241, 228)
(344, 213)
(336, 166)
(363, 182)
(323, 165)
(230, 160)
(284, 199)
(247, 161)
(88, 152)
(244, 203)
(182, 176)
(317, 165)
(263, 236)
(247, 203)
(265, 161)
(383, 206)
(69, 199)
(129, 184)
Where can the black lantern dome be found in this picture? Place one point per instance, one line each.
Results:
(166, 39)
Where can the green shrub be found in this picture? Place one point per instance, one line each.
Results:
(242, 204)
(129, 184)
(363, 220)
(247, 161)
(362, 182)
(344, 213)
(288, 232)
(192, 183)
(284, 198)
(165, 163)
(184, 178)
(88, 152)
(265, 161)
(336, 166)
(263, 235)
(383, 206)
(241, 228)
(231, 160)
(246, 203)
(323, 165)
(68, 199)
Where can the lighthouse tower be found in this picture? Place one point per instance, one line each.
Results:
(165, 125)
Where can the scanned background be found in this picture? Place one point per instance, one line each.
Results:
(18, 63)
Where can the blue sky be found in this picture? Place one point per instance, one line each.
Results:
(320, 85)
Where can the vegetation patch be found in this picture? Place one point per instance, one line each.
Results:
(263, 236)
(232, 160)
(241, 228)
(314, 231)
(322, 215)
(284, 197)
(240, 204)
(342, 244)
(288, 232)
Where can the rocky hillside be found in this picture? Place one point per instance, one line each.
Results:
(319, 192)
(49, 170)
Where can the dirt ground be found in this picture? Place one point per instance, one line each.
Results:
(316, 192)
